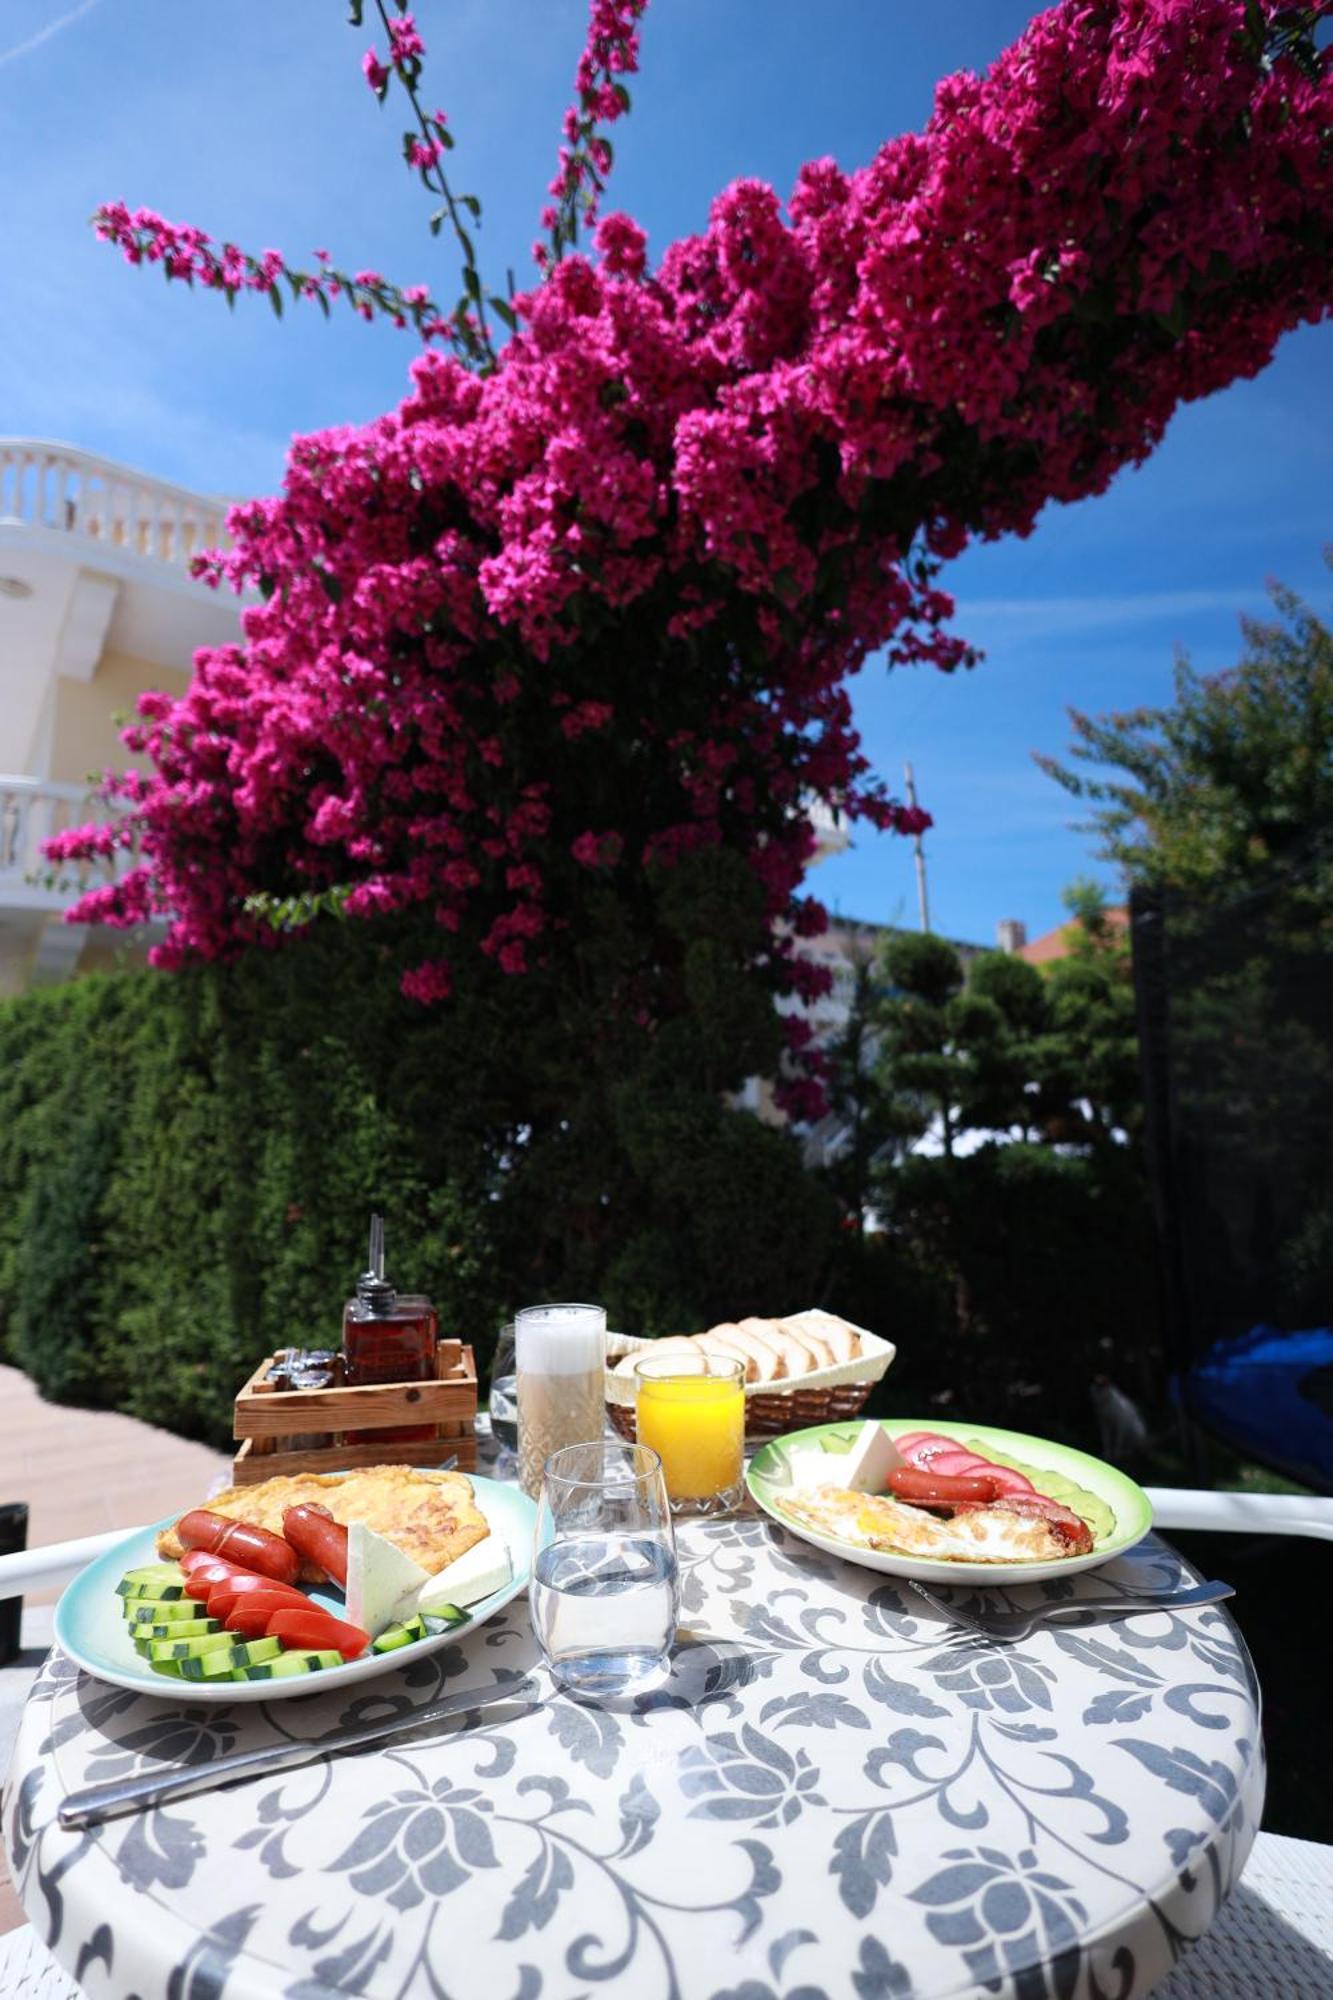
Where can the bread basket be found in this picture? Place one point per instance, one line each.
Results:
(824, 1396)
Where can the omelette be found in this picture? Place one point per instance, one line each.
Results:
(1015, 1528)
(431, 1516)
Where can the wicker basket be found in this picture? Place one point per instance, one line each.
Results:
(771, 1412)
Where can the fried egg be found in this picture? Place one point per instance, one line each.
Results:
(1011, 1529)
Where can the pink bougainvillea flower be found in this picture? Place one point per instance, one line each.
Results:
(553, 630)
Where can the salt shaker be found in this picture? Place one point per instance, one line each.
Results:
(560, 1363)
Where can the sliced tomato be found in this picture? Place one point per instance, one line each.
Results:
(194, 1559)
(317, 1630)
(225, 1596)
(252, 1610)
(924, 1447)
(1010, 1481)
(957, 1464)
(207, 1578)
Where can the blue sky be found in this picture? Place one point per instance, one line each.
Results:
(253, 121)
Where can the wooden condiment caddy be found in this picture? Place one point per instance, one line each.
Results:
(270, 1420)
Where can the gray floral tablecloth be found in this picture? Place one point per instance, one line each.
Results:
(836, 1794)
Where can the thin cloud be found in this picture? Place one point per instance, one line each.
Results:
(45, 34)
(1057, 617)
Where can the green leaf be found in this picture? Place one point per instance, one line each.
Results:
(275, 300)
(333, 589)
(438, 220)
(473, 284)
(354, 11)
(505, 312)
(622, 96)
(466, 242)
(471, 204)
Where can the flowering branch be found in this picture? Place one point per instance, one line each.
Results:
(187, 253)
(424, 150)
(190, 255)
(610, 53)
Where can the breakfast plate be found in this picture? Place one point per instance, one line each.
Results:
(779, 1471)
(90, 1624)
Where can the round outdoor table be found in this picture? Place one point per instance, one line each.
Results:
(836, 1794)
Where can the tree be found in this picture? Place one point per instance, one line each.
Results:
(1219, 811)
(1021, 1241)
(578, 611)
(1233, 783)
(1002, 1049)
(855, 1094)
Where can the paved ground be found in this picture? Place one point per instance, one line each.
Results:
(81, 1472)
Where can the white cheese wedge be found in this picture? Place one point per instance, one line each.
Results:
(867, 1466)
(379, 1576)
(864, 1469)
(471, 1577)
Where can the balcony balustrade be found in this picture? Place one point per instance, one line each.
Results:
(31, 810)
(55, 487)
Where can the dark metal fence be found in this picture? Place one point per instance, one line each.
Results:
(1235, 1002)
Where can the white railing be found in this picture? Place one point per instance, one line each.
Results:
(31, 810)
(54, 486)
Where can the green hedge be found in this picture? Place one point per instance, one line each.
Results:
(188, 1163)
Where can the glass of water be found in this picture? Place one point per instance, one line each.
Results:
(604, 1593)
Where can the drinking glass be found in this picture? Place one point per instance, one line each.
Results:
(504, 1394)
(604, 1593)
(560, 1362)
(695, 1421)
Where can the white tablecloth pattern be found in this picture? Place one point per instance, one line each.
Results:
(836, 1797)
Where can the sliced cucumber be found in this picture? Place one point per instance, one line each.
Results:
(169, 1667)
(186, 1632)
(394, 1636)
(288, 1664)
(171, 1646)
(161, 1610)
(442, 1619)
(219, 1661)
(158, 1580)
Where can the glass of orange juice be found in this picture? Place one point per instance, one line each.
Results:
(695, 1422)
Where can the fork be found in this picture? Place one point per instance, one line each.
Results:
(1008, 1625)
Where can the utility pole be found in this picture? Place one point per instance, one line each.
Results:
(919, 845)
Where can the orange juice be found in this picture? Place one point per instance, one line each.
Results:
(696, 1424)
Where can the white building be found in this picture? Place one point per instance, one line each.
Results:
(96, 605)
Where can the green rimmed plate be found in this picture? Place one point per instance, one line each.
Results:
(770, 1477)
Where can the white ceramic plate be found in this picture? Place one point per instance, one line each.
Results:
(770, 1477)
(90, 1620)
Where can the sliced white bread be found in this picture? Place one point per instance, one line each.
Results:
(794, 1359)
(817, 1346)
(842, 1338)
(718, 1341)
(767, 1353)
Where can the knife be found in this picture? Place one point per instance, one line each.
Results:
(95, 1803)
